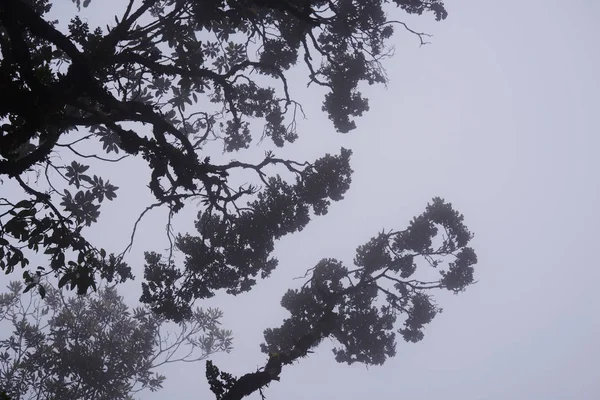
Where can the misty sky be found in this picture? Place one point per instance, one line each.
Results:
(499, 116)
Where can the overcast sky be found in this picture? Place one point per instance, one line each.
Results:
(499, 116)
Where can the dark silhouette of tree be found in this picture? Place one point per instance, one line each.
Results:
(94, 347)
(359, 307)
(162, 82)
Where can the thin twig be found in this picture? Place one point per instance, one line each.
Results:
(150, 207)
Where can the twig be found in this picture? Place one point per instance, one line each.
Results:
(93, 155)
(150, 207)
(420, 35)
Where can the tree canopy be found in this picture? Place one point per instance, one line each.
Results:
(163, 82)
(94, 347)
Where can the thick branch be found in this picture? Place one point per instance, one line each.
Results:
(251, 382)
(19, 10)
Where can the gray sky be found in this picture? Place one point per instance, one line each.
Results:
(499, 117)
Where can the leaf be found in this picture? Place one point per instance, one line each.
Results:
(29, 287)
(24, 204)
(63, 280)
(14, 259)
(51, 250)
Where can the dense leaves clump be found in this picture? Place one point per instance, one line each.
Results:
(162, 83)
(147, 86)
(94, 346)
(359, 307)
(233, 249)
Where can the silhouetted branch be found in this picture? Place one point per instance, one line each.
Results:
(420, 35)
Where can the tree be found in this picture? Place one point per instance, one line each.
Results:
(163, 82)
(358, 308)
(95, 346)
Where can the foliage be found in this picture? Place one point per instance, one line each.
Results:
(358, 308)
(165, 82)
(94, 347)
(182, 72)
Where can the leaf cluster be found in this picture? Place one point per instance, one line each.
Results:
(94, 346)
(359, 307)
(162, 83)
